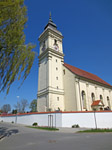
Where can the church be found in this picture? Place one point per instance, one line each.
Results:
(62, 87)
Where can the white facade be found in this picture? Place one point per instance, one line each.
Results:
(74, 85)
(50, 82)
(59, 88)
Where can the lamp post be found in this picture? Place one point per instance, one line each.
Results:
(17, 109)
(95, 118)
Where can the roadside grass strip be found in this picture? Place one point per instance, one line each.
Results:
(95, 130)
(44, 128)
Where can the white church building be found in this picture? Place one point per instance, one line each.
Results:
(65, 87)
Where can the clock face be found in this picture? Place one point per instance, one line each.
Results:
(56, 47)
(43, 46)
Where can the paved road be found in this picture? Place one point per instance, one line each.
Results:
(22, 138)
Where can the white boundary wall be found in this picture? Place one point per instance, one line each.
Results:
(64, 119)
(103, 119)
(43, 119)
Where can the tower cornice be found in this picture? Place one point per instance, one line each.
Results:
(50, 32)
(50, 51)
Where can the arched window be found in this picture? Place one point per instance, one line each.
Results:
(92, 96)
(101, 97)
(107, 98)
(108, 101)
(83, 99)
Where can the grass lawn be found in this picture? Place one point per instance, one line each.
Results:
(44, 128)
(95, 130)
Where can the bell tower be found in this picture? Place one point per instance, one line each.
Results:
(50, 77)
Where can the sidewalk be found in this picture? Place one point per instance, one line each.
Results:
(71, 130)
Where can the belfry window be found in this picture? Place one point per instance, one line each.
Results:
(43, 46)
(55, 42)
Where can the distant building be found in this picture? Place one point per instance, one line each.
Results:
(65, 87)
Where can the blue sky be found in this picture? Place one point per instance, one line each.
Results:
(87, 29)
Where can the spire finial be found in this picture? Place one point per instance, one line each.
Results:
(50, 23)
(50, 19)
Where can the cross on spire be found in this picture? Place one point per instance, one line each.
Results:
(50, 19)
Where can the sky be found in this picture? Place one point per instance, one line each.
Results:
(87, 29)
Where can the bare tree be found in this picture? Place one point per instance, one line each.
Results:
(21, 105)
(24, 104)
(18, 107)
(6, 108)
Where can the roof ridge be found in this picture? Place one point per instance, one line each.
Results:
(85, 74)
(81, 69)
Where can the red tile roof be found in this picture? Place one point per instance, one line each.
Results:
(85, 74)
(96, 103)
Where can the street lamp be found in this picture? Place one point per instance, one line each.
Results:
(17, 109)
(95, 118)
